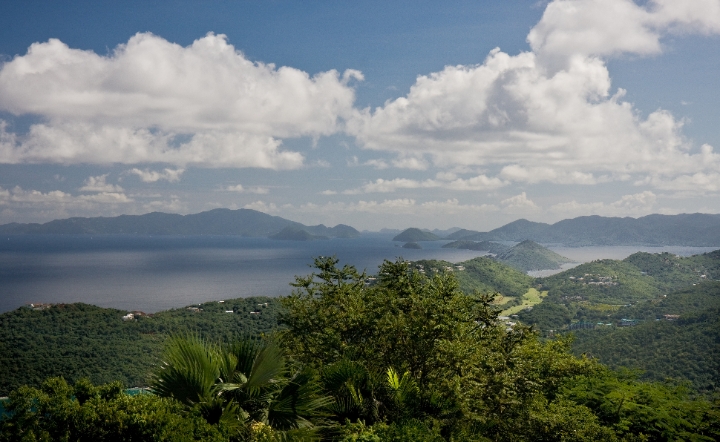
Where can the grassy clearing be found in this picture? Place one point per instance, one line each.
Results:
(502, 300)
(531, 298)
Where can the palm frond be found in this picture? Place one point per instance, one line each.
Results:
(188, 371)
(268, 368)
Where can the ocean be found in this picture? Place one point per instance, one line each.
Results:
(152, 273)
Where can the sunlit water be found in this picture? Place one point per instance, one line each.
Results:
(152, 273)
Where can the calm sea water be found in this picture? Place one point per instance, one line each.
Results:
(152, 273)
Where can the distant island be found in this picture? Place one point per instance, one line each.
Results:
(294, 233)
(525, 256)
(696, 229)
(413, 235)
(241, 222)
(529, 255)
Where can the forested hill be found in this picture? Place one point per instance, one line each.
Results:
(81, 340)
(243, 222)
(695, 229)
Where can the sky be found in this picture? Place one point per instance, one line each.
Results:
(376, 114)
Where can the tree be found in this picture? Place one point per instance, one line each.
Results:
(472, 375)
(241, 385)
(58, 411)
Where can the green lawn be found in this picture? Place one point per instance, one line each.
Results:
(531, 298)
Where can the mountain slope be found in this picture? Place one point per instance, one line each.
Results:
(529, 255)
(696, 229)
(242, 222)
(413, 235)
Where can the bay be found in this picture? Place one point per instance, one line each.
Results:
(152, 273)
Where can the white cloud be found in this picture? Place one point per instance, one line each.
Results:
(154, 101)
(562, 125)
(151, 176)
(171, 205)
(240, 189)
(443, 181)
(20, 197)
(405, 206)
(519, 203)
(99, 184)
(607, 27)
(635, 204)
(698, 183)
(262, 206)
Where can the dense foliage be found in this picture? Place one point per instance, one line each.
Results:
(413, 354)
(58, 411)
(482, 274)
(80, 340)
(409, 356)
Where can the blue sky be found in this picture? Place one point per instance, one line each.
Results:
(373, 114)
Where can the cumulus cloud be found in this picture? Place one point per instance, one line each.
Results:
(151, 176)
(443, 181)
(99, 184)
(698, 183)
(519, 203)
(154, 101)
(571, 28)
(564, 125)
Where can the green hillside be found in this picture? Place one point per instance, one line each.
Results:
(529, 255)
(687, 348)
(483, 274)
(413, 235)
(81, 340)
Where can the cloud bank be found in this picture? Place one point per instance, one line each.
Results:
(154, 101)
(551, 114)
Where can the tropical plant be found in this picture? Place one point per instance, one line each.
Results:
(242, 385)
(58, 411)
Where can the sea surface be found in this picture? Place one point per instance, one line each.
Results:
(152, 273)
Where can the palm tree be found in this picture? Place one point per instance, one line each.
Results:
(240, 384)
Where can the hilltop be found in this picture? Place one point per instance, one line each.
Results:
(414, 235)
(241, 222)
(529, 255)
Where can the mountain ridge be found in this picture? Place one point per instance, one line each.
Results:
(241, 222)
(694, 229)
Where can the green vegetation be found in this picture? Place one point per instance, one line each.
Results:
(58, 411)
(529, 255)
(593, 299)
(482, 274)
(412, 245)
(80, 340)
(414, 235)
(529, 300)
(409, 357)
